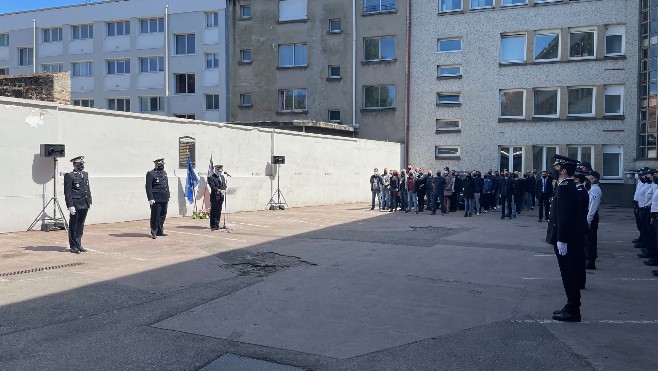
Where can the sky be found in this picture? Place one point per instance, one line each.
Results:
(7, 6)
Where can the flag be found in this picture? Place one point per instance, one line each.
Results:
(191, 183)
(211, 168)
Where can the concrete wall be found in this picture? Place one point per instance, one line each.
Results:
(119, 150)
(44, 87)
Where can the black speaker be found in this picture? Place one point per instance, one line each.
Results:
(278, 160)
(52, 150)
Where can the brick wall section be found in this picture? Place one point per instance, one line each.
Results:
(48, 87)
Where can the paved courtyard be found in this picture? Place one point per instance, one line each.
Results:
(323, 288)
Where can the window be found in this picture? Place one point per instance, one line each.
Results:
(446, 6)
(185, 83)
(334, 115)
(292, 10)
(212, 102)
(292, 55)
(372, 6)
(547, 46)
(118, 66)
(581, 153)
(212, 19)
(245, 55)
(151, 25)
(82, 69)
(512, 48)
(83, 102)
(448, 98)
(582, 44)
(292, 100)
(51, 35)
(613, 100)
(4, 71)
(188, 116)
(119, 104)
(511, 158)
(449, 45)
(4, 39)
(449, 71)
(52, 68)
(245, 100)
(542, 157)
(479, 4)
(151, 104)
(82, 32)
(245, 12)
(334, 72)
(446, 151)
(614, 40)
(447, 125)
(612, 161)
(185, 44)
(379, 48)
(335, 25)
(151, 64)
(512, 104)
(546, 103)
(581, 101)
(212, 60)
(25, 56)
(514, 2)
(120, 28)
(382, 96)
(548, 1)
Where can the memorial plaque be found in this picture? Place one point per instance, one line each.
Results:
(186, 147)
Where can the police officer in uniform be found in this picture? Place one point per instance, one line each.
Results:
(157, 193)
(77, 195)
(217, 183)
(566, 234)
(580, 179)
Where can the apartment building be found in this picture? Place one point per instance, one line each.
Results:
(506, 84)
(152, 56)
(341, 61)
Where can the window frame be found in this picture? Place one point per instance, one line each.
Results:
(503, 5)
(242, 54)
(448, 129)
(5, 37)
(330, 75)
(4, 71)
(534, 102)
(380, 39)
(439, 74)
(461, 45)
(243, 99)
(580, 148)
(379, 10)
(114, 26)
(445, 156)
(559, 45)
(214, 65)
(379, 88)
(125, 62)
(160, 102)
(50, 31)
(294, 55)
(159, 61)
(610, 149)
(90, 102)
(187, 82)
(89, 67)
(159, 23)
(89, 27)
(115, 100)
(29, 61)
(59, 69)
(471, 7)
(461, 7)
(282, 93)
(187, 44)
(340, 23)
(448, 94)
(593, 88)
(212, 22)
(619, 88)
(214, 103)
(329, 112)
(614, 30)
(242, 12)
(523, 104)
(582, 30)
(525, 47)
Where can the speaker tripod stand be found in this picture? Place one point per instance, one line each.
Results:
(57, 220)
(277, 205)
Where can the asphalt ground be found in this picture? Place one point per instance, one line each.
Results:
(323, 288)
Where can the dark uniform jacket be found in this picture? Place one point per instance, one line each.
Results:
(506, 186)
(76, 190)
(157, 186)
(217, 183)
(583, 206)
(548, 189)
(565, 223)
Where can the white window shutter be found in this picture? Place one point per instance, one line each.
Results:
(292, 10)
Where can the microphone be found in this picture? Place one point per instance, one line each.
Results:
(227, 174)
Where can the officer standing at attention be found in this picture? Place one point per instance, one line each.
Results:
(595, 196)
(157, 193)
(580, 179)
(217, 183)
(567, 237)
(77, 195)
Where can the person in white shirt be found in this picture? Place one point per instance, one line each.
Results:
(636, 207)
(591, 233)
(653, 224)
(644, 203)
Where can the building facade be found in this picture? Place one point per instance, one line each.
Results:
(506, 84)
(340, 61)
(152, 56)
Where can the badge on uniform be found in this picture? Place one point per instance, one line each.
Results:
(157, 180)
(77, 185)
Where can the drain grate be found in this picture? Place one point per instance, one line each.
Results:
(42, 269)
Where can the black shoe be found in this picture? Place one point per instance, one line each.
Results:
(152, 236)
(644, 255)
(653, 262)
(214, 228)
(82, 249)
(74, 250)
(566, 317)
(558, 311)
(372, 208)
(433, 213)
(590, 265)
(162, 234)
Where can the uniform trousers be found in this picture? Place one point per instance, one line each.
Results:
(544, 205)
(76, 228)
(158, 216)
(572, 270)
(506, 199)
(592, 240)
(216, 211)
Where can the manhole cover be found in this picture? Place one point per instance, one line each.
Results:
(232, 362)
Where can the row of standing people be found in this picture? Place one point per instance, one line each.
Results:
(645, 201)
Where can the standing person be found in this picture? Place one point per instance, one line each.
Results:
(447, 189)
(376, 184)
(403, 189)
(456, 190)
(646, 196)
(386, 189)
(438, 186)
(157, 193)
(487, 186)
(519, 193)
(495, 193)
(429, 190)
(412, 195)
(595, 196)
(477, 179)
(217, 183)
(544, 193)
(420, 189)
(394, 187)
(583, 204)
(506, 190)
(77, 196)
(535, 179)
(469, 195)
(529, 190)
(653, 251)
(567, 237)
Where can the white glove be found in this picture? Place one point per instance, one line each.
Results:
(151, 202)
(72, 210)
(562, 248)
(223, 192)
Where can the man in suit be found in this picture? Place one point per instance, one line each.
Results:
(567, 235)
(77, 195)
(157, 193)
(544, 192)
(217, 183)
(506, 190)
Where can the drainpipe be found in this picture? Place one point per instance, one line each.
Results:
(34, 45)
(166, 60)
(408, 87)
(354, 124)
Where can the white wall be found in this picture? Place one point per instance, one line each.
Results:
(119, 150)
